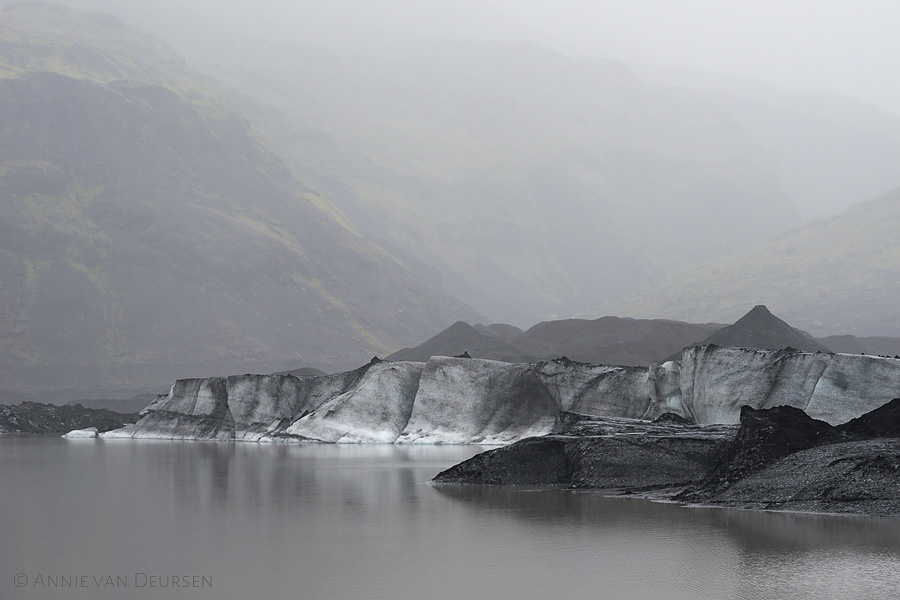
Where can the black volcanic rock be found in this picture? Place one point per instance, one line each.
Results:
(764, 436)
(856, 477)
(532, 461)
(881, 422)
(779, 458)
(34, 417)
(783, 459)
(600, 453)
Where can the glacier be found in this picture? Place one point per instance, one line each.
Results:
(477, 401)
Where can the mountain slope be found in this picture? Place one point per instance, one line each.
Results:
(604, 341)
(759, 328)
(462, 338)
(526, 182)
(145, 229)
(832, 151)
(612, 340)
(838, 275)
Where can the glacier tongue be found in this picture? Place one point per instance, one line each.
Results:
(466, 401)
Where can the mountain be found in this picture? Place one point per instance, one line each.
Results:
(836, 275)
(849, 344)
(759, 328)
(462, 338)
(528, 183)
(504, 331)
(146, 232)
(612, 340)
(534, 185)
(605, 341)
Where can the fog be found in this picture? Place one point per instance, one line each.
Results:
(359, 175)
(849, 48)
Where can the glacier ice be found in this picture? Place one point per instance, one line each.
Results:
(477, 401)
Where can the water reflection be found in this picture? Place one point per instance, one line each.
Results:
(363, 521)
(770, 555)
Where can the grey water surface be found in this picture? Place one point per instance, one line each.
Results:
(148, 519)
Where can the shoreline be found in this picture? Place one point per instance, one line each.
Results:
(778, 460)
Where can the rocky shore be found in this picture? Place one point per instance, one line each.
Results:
(776, 459)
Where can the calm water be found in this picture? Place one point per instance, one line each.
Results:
(82, 519)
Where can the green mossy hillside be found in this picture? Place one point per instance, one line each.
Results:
(143, 224)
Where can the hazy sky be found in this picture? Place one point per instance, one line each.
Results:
(846, 46)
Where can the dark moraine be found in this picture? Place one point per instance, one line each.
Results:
(601, 452)
(777, 459)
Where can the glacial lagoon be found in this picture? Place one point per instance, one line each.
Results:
(136, 519)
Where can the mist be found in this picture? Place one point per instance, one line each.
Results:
(845, 48)
(361, 175)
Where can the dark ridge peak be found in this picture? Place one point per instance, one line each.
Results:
(760, 313)
(759, 328)
(760, 309)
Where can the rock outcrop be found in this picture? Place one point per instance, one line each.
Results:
(603, 452)
(783, 459)
(35, 417)
(779, 458)
(477, 401)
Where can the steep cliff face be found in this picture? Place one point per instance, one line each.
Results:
(468, 401)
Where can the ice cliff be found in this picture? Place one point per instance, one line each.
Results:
(468, 401)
